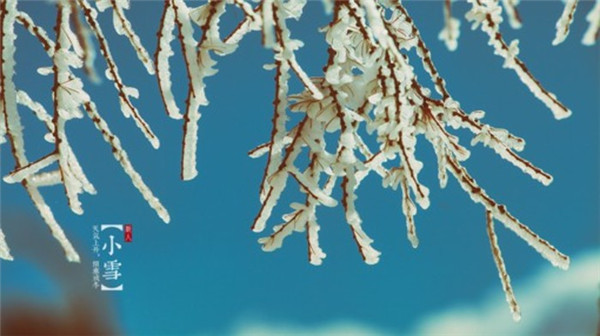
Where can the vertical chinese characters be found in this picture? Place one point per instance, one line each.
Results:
(107, 264)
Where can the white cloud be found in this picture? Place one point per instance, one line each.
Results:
(552, 302)
(333, 329)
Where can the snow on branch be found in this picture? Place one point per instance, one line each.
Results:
(123, 159)
(487, 14)
(161, 60)
(368, 80)
(564, 22)
(68, 50)
(4, 250)
(198, 64)
(449, 34)
(504, 278)
(86, 49)
(123, 27)
(593, 32)
(367, 103)
(125, 93)
(514, 18)
(10, 125)
(68, 95)
(451, 31)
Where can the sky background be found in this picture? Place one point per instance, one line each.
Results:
(205, 273)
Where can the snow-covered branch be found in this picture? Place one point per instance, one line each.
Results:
(487, 14)
(450, 32)
(69, 50)
(368, 104)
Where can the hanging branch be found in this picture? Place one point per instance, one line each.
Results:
(161, 60)
(84, 37)
(123, 27)
(25, 20)
(13, 128)
(500, 212)
(8, 104)
(198, 64)
(593, 32)
(515, 21)
(387, 96)
(252, 21)
(69, 96)
(368, 102)
(487, 14)
(514, 18)
(279, 119)
(451, 31)
(124, 92)
(208, 17)
(123, 159)
(504, 278)
(423, 51)
(564, 22)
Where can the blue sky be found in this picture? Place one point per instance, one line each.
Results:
(205, 273)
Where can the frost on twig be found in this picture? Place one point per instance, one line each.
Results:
(69, 50)
(369, 80)
(4, 250)
(451, 31)
(13, 128)
(368, 104)
(514, 18)
(123, 27)
(198, 64)
(84, 37)
(68, 96)
(504, 277)
(125, 92)
(564, 22)
(593, 32)
(123, 159)
(487, 14)
(161, 60)
(566, 18)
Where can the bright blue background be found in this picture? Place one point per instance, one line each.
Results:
(205, 272)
